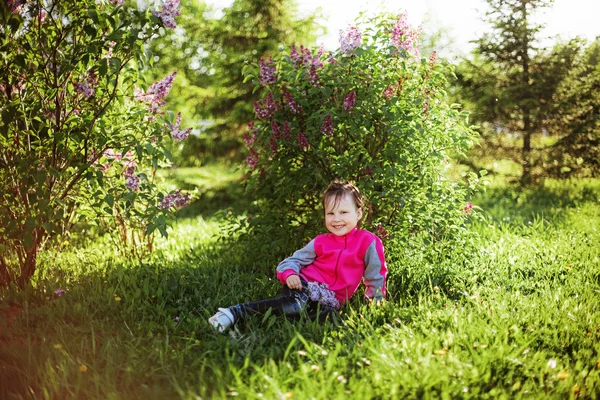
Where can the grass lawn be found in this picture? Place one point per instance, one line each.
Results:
(517, 318)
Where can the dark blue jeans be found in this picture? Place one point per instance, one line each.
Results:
(291, 303)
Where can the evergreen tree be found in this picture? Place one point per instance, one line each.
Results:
(512, 81)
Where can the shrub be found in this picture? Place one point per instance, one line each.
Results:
(373, 112)
(79, 138)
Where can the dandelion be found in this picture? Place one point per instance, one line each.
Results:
(327, 127)
(349, 101)
(168, 13)
(59, 292)
(562, 375)
(267, 73)
(176, 133)
(350, 39)
(117, 299)
(83, 369)
(58, 346)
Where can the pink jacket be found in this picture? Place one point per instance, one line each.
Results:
(340, 262)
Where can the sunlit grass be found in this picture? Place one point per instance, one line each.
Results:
(519, 318)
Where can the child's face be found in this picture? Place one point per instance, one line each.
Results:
(343, 217)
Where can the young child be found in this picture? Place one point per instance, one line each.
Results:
(319, 278)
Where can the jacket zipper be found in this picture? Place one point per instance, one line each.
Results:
(338, 261)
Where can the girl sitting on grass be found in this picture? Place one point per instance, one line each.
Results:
(319, 278)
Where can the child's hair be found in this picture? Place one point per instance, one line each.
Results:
(338, 189)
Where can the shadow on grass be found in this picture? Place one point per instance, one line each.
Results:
(552, 201)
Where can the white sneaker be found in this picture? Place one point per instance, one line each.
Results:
(222, 319)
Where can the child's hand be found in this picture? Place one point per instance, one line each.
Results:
(293, 282)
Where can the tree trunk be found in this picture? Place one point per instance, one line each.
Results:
(5, 278)
(28, 268)
(527, 131)
(526, 153)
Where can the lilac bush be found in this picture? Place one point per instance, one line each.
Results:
(374, 112)
(81, 132)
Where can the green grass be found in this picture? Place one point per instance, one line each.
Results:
(518, 317)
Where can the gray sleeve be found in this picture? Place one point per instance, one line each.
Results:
(301, 258)
(375, 269)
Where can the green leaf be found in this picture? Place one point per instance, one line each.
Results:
(109, 199)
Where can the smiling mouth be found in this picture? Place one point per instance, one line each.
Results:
(338, 226)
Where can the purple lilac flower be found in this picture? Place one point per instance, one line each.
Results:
(349, 101)
(275, 129)
(468, 209)
(132, 181)
(382, 232)
(178, 134)
(302, 141)
(388, 93)
(118, 2)
(15, 6)
(273, 144)
(287, 129)
(59, 292)
(295, 108)
(294, 55)
(84, 89)
(350, 39)
(313, 76)
(267, 108)
(168, 13)
(268, 72)
(157, 93)
(432, 59)
(405, 37)
(252, 159)
(175, 199)
(327, 127)
(111, 46)
(331, 58)
(320, 292)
